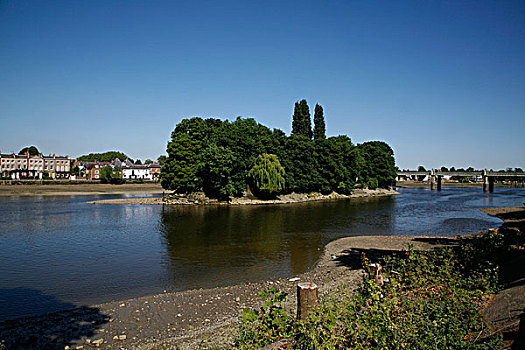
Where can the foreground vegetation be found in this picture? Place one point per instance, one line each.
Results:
(223, 158)
(430, 300)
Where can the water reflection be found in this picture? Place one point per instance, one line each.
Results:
(80, 253)
(226, 244)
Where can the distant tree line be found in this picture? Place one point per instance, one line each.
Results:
(225, 158)
(105, 157)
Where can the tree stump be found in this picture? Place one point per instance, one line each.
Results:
(376, 273)
(306, 299)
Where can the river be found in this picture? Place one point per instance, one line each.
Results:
(59, 252)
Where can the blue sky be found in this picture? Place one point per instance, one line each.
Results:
(443, 82)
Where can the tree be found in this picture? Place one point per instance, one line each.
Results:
(421, 168)
(380, 163)
(215, 170)
(319, 124)
(148, 161)
(105, 157)
(32, 150)
(138, 162)
(162, 159)
(111, 175)
(267, 176)
(301, 122)
(444, 169)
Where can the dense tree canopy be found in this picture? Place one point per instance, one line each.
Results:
(224, 158)
(103, 157)
(32, 150)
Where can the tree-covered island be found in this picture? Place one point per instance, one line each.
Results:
(225, 159)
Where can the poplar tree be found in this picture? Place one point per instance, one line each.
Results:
(301, 122)
(319, 124)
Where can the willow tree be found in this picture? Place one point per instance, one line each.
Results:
(266, 177)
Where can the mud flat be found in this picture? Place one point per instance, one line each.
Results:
(79, 189)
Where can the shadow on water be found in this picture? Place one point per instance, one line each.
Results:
(55, 330)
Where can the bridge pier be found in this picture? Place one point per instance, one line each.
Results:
(491, 184)
(439, 182)
(485, 181)
(432, 180)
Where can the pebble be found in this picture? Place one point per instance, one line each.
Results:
(122, 305)
(294, 279)
(98, 342)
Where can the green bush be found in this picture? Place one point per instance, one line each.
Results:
(432, 300)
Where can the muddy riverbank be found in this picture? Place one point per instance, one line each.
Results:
(79, 189)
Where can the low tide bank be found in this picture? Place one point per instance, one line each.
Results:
(189, 318)
(76, 189)
(200, 199)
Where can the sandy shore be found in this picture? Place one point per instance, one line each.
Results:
(78, 189)
(284, 199)
(188, 319)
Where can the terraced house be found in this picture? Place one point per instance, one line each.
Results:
(24, 166)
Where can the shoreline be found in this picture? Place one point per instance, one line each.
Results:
(191, 318)
(200, 199)
(67, 189)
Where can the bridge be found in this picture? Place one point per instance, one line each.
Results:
(436, 176)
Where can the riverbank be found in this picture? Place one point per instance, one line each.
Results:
(76, 189)
(187, 319)
(200, 199)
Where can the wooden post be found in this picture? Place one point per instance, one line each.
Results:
(375, 273)
(306, 299)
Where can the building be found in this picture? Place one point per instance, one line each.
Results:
(24, 166)
(130, 171)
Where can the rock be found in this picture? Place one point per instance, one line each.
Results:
(122, 305)
(98, 342)
(122, 337)
(294, 279)
(237, 299)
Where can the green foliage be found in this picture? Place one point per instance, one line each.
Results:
(216, 157)
(105, 157)
(267, 176)
(301, 121)
(111, 175)
(215, 170)
(267, 324)
(431, 300)
(162, 159)
(319, 124)
(380, 164)
(33, 151)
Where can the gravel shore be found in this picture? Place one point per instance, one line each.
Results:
(284, 199)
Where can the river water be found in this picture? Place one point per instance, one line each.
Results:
(59, 252)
